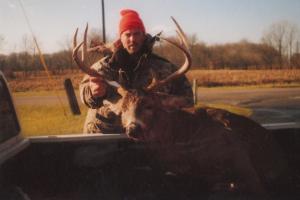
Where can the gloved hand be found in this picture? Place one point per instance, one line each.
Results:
(98, 86)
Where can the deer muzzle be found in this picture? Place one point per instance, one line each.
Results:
(134, 130)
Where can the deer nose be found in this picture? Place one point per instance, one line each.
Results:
(134, 130)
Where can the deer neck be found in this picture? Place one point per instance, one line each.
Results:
(169, 126)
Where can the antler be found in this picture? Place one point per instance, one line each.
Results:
(184, 47)
(81, 61)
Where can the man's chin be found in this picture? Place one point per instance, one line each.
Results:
(132, 50)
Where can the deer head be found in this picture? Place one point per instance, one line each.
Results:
(139, 110)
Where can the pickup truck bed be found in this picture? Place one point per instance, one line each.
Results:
(111, 167)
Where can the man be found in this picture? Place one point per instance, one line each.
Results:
(132, 65)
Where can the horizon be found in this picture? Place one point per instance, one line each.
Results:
(213, 22)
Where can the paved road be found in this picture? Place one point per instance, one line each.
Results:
(269, 105)
(42, 100)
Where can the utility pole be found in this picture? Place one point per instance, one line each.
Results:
(103, 22)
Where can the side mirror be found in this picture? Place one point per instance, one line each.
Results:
(9, 123)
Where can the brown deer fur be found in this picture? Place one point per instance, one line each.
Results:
(213, 144)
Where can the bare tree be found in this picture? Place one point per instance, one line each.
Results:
(28, 44)
(297, 47)
(198, 51)
(28, 55)
(275, 37)
(292, 35)
(1, 41)
(66, 43)
(282, 36)
(66, 46)
(95, 36)
(95, 39)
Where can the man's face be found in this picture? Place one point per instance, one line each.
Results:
(132, 40)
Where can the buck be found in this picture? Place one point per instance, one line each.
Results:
(212, 144)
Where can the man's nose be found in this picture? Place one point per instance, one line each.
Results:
(132, 38)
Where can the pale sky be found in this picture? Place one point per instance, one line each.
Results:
(213, 21)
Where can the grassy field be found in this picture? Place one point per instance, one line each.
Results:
(205, 78)
(257, 78)
(53, 119)
(49, 120)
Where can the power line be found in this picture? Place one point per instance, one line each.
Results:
(42, 59)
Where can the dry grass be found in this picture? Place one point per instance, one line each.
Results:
(205, 78)
(212, 78)
(41, 82)
(49, 120)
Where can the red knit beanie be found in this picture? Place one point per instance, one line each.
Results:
(130, 19)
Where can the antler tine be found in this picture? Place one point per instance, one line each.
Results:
(75, 39)
(187, 63)
(180, 39)
(84, 46)
(80, 61)
(180, 33)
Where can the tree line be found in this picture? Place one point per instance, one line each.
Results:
(278, 49)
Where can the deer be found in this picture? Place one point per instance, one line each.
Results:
(213, 144)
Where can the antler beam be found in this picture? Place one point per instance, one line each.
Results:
(81, 61)
(184, 47)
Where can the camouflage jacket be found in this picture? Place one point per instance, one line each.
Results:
(132, 75)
